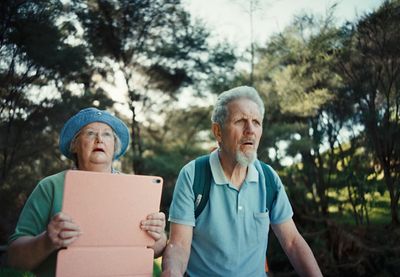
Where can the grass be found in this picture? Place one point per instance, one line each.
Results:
(10, 272)
(378, 209)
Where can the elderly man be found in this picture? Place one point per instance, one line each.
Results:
(230, 236)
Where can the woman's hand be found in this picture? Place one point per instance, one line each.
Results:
(62, 231)
(154, 225)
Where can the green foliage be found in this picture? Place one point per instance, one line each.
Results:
(311, 104)
(331, 94)
(300, 91)
(35, 60)
(156, 269)
(55, 58)
(157, 48)
(174, 142)
(369, 63)
(10, 272)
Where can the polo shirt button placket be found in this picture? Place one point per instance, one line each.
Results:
(240, 208)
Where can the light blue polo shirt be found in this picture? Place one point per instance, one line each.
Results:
(230, 237)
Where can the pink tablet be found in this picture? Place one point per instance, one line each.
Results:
(108, 208)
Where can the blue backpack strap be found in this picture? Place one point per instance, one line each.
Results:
(271, 185)
(272, 191)
(201, 183)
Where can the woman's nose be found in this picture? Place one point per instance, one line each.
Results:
(99, 137)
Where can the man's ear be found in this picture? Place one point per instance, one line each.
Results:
(217, 131)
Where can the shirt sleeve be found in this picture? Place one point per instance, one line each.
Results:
(182, 206)
(35, 215)
(281, 207)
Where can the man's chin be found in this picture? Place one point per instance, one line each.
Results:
(246, 158)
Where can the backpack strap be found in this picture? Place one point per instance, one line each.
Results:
(271, 185)
(201, 183)
(272, 192)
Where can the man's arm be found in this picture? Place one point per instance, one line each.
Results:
(297, 249)
(176, 255)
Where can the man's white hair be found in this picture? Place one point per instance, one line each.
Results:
(220, 111)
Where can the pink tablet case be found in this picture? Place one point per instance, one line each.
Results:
(108, 208)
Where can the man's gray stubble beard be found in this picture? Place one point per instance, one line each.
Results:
(245, 160)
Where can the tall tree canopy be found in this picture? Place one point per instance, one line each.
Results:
(369, 62)
(156, 46)
(37, 65)
(56, 57)
(302, 108)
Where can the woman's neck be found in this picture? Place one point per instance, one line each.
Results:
(96, 167)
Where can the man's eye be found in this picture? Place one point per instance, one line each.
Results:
(108, 134)
(90, 133)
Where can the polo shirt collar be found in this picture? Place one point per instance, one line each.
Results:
(218, 172)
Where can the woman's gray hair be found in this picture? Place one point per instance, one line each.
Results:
(220, 111)
(117, 145)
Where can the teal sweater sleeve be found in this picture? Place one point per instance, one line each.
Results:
(43, 203)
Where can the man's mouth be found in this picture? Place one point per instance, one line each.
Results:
(248, 143)
(98, 150)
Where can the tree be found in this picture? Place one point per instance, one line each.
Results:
(156, 47)
(37, 65)
(55, 56)
(303, 110)
(369, 62)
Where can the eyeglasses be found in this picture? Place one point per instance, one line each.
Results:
(92, 134)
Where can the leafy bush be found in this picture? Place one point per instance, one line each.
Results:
(10, 272)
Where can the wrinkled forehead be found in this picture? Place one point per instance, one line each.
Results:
(243, 108)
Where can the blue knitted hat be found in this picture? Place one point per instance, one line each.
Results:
(85, 117)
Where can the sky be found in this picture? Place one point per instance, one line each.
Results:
(230, 19)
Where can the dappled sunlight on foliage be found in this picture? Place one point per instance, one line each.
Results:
(331, 93)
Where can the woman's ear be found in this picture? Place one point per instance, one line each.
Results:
(216, 129)
(73, 146)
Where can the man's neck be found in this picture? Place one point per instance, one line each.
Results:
(234, 172)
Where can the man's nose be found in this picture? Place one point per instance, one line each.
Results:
(250, 127)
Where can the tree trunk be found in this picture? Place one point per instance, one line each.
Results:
(394, 199)
(136, 139)
(394, 212)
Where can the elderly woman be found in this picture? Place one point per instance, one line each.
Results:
(92, 139)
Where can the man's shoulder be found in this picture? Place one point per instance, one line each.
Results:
(263, 166)
(189, 165)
